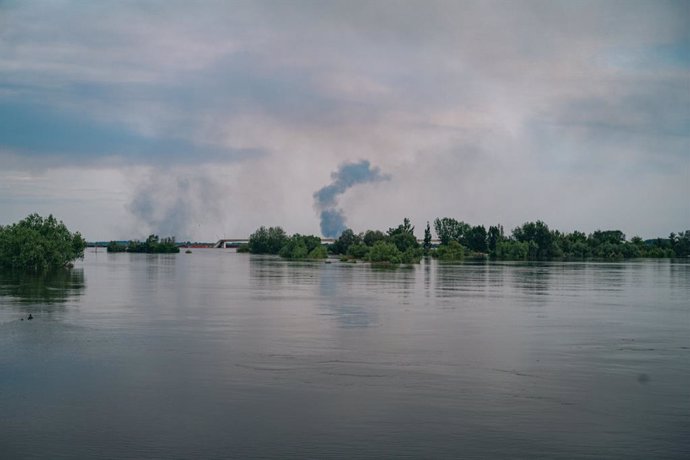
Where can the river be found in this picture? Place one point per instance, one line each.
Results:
(216, 354)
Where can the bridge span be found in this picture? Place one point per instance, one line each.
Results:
(236, 242)
(230, 242)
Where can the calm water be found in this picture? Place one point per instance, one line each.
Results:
(222, 355)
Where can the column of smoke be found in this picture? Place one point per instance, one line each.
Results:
(326, 199)
(172, 203)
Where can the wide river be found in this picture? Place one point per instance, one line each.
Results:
(216, 354)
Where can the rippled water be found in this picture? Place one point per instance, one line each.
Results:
(222, 355)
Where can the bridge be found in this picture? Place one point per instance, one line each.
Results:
(236, 242)
(230, 242)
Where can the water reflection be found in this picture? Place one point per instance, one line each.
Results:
(337, 296)
(533, 278)
(611, 276)
(461, 280)
(159, 265)
(315, 360)
(49, 288)
(266, 272)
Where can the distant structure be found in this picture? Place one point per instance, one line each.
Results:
(226, 243)
(230, 243)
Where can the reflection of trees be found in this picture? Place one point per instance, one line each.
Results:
(464, 279)
(532, 278)
(266, 271)
(679, 273)
(399, 279)
(607, 276)
(47, 288)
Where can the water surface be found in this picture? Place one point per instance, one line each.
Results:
(222, 355)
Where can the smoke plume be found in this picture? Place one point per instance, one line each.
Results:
(174, 203)
(326, 199)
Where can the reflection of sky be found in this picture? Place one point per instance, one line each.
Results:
(342, 302)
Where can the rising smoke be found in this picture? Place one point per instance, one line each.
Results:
(177, 204)
(326, 199)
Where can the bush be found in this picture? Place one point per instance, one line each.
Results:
(412, 256)
(267, 240)
(358, 251)
(303, 247)
(154, 245)
(39, 244)
(449, 252)
(384, 252)
(294, 249)
(318, 252)
(512, 250)
(114, 246)
(343, 243)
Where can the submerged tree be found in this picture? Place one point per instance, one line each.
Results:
(267, 240)
(38, 244)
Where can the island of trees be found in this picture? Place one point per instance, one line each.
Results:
(398, 245)
(39, 244)
(458, 240)
(152, 245)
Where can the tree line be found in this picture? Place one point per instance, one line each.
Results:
(460, 240)
(39, 244)
(397, 245)
(152, 245)
(535, 241)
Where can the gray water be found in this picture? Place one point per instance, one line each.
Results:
(222, 355)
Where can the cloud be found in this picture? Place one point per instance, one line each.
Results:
(44, 134)
(482, 110)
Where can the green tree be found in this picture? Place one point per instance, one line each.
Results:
(403, 236)
(39, 244)
(512, 250)
(475, 239)
(448, 229)
(372, 236)
(494, 236)
(344, 241)
(427, 239)
(358, 251)
(318, 252)
(452, 251)
(303, 247)
(541, 241)
(680, 244)
(114, 246)
(154, 245)
(267, 240)
(384, 252)
(294, 248)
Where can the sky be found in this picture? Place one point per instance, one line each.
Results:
(205, 119)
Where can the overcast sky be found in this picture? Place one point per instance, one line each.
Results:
(207, 119)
